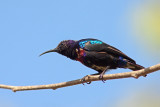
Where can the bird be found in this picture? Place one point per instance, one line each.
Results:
(95, 54)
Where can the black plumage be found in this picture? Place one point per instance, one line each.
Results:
(95, 54)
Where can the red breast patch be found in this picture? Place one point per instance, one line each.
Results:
(81, 54)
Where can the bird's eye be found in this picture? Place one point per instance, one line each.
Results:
(62, 44)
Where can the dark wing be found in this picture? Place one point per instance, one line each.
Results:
(103, 47)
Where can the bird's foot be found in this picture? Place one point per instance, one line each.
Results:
(145, 75)
(102, 73)
(83, 80)
(101, 78)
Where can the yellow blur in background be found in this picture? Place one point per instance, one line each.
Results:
(145, 19)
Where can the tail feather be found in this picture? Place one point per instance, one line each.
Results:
(134, 66)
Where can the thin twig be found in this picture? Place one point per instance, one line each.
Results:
(134, 74)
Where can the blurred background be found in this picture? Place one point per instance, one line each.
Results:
(30, 27)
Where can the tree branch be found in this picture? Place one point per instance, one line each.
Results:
(134, 74)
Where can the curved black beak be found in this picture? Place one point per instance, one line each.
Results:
(52, 50)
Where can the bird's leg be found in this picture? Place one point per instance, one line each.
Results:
(83, 79)
(101, 75)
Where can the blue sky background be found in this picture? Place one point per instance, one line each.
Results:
(30, 27)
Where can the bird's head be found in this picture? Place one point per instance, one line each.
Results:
(64, 47)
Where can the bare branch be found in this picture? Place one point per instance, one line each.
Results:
(134, 74)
